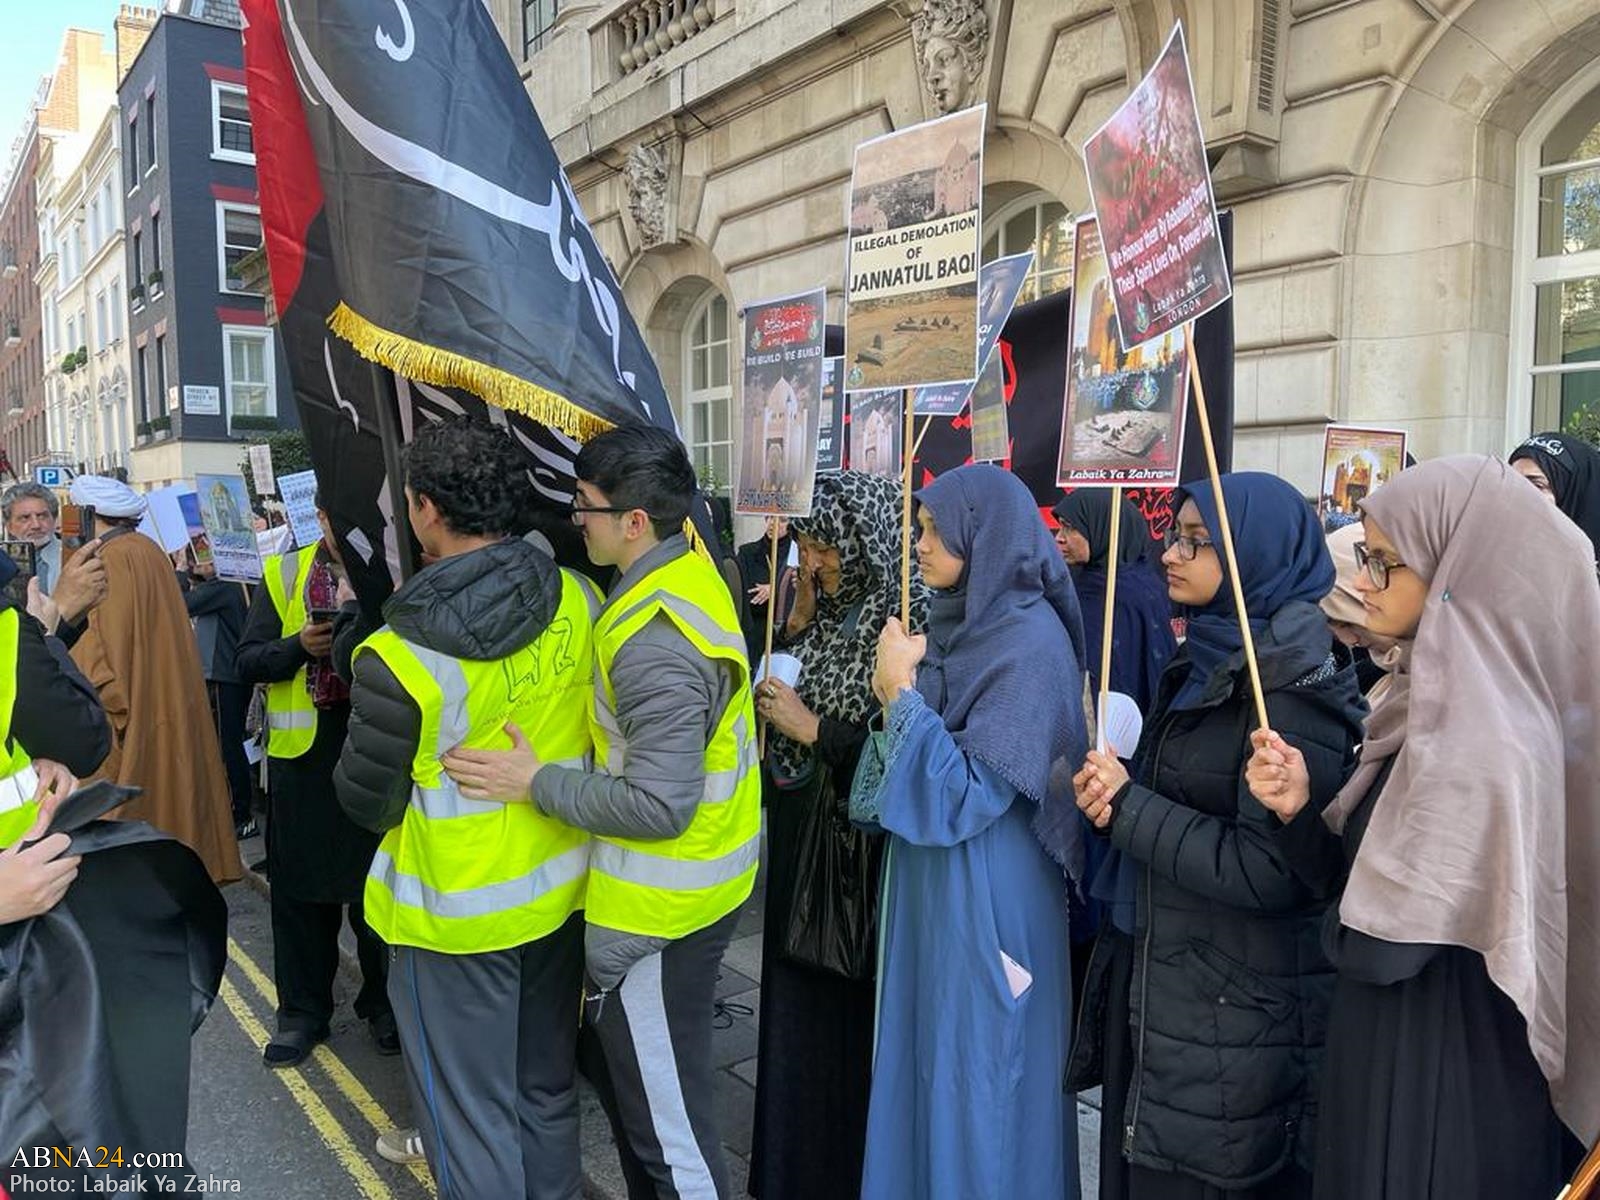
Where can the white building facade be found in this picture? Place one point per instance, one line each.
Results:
(1415, 186)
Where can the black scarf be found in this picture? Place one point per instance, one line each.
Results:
(1573, 468)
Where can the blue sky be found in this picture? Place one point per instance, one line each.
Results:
(29, 48)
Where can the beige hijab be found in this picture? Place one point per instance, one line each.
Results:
(1487, 834)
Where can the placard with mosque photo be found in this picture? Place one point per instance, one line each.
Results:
(1356, 461)
(780, 405)
(876, 419)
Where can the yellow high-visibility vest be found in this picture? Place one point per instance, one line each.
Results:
(671, 888)
(462, 876)
(18, 811)
(291, 715)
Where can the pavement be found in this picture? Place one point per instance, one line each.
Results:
(309, 1133)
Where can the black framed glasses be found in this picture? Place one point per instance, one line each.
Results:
(1376, 566)
(1187, 547)
(579, 512)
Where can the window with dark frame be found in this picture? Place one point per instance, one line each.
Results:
(132, 155)
(150, 131)
(161, 372)
(155, 241)
(241, 237)
(144, 391)
(233, 133)
(538, 18)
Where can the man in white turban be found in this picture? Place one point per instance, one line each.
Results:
(139, 651)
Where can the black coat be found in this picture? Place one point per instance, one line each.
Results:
(57, 714)
(1230, 989)
(218, 610)
(314, 851)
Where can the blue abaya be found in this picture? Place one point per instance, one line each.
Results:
(967, 1100)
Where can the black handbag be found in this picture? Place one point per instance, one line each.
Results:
(833, 921)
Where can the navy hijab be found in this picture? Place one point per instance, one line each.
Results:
(1005, 647)
(1283, 559)
(1088, 510)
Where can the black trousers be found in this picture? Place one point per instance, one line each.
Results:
(305, 958)
(490, 1042)
(656, 1077)
(229, 704)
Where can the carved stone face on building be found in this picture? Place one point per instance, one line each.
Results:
(952, 39)
(945, 74)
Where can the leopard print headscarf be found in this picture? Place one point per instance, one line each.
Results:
(859, 515)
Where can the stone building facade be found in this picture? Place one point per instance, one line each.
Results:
(1415, 185)
(22, 420)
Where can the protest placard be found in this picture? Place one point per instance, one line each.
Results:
(830, 420)
(225, 512)
(199, 539)
(1151, 186)
(991, 429)
(875, 432)
(780, 405)
(261, 469)
(912, 285)
(999, 284)
(1356, 460)
(299, 492)
(1123, 413)
(163, 521)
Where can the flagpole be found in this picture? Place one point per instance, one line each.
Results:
(387, 403)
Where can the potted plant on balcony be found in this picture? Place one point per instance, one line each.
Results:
(154, 279)
(142, 431)
(136, 294)
(161, 424)
(242, 423)
(69, 364)
(83, 355)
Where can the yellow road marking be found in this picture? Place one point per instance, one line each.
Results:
(321, 1118)
(343, 1078)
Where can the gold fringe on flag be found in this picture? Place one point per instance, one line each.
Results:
(443, 368)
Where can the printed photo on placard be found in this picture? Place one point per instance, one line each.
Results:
(1356, 460)
(876, 420)
(911, 305)
(1123, 415)
(199, 539)
(991, 428)
(225, 512)
(1151, 186)
(780, 405)
(830, 422)
(999, 284)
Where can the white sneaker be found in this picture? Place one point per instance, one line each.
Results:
(401, 1146)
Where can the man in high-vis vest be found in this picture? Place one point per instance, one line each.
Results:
(317, 858)
(491, 645)
(51, 728)
(674, 805)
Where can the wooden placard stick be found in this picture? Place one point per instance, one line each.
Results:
(907, 446)
(921, 433)
(772, 609)
(1111, 604)
(1230, 558)
(1583, 1183)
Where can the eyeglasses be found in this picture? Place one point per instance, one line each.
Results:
(579, 512)
(1187, 547)
(1376, 567)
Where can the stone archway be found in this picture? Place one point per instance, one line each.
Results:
(1429, 234)
(660, 287)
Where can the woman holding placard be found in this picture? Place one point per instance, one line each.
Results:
(1143, 643)
(814, 1068)
(1205, 1003)
(974, 1003)
(1464, 1039)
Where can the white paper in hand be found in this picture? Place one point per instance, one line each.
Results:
(784, 666)
(1121, 723)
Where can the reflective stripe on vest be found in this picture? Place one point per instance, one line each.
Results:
(291, 715)
(18, 782)
(674, 886)
(464, 876)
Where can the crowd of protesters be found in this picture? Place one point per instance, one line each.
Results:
(1353, 954)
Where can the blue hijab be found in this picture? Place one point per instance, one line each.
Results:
(1005, 646)
(1283, 558)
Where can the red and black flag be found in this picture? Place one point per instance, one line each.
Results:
(416, 216)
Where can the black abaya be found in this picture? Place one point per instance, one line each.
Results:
(815, 1059)
(1429, 1090)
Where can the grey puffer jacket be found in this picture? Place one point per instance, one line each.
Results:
(1230, 989)
(481, 605)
